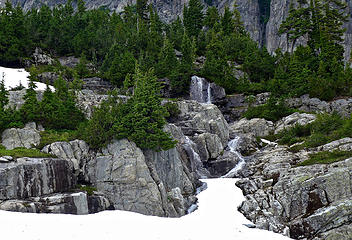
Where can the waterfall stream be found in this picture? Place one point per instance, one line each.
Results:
(200, 90)
(233, 146)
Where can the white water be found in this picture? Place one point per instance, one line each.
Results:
(13, 77)
(200, 90)
(196, 162)
(233, 146)
(216, 218)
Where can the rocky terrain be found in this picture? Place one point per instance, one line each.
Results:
(303, 202)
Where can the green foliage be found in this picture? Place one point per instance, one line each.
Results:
(317, 69)
(326, 128)
(273, 110)
(193, 17)
(50, 136)
(24, 152)
(173, 111)
(88, 189)
(326, 157)
(141, 119)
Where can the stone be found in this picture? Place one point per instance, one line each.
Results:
(48, 77)
(255, 126)
(40, 58)
(70, 61)
(26, 137)
(201, 118)
(33, 177)
(294, 119)
(209, 146)
(97, 85)
(78, 203)
(122, 175)
(75, 151)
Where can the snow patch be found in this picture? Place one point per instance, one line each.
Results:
(13, 77)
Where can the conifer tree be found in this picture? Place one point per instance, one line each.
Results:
(30, 108)
(193, 17)
(145, 119)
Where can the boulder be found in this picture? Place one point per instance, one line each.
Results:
(26, 137)
(48, 77)
(198, 118)
(294, 119)
(120, 172)
(97, 85)
(34, 177)
(70, 62)
(75, 151)
(41, 58)
(303, 202)
(209, 146)
(255, 126)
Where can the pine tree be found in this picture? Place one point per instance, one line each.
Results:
(145, 119)
(167, 65)
(30, 108)
(193, 18)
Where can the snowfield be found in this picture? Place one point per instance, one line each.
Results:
(216, 218)
(15, 76)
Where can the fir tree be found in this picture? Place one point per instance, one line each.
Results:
(193, 18)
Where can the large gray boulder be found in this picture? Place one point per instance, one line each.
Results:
(198, 118)
(33, 177)
(294, 119)
(75, 151)
(255, 126)
(26, 137)
(120, 172)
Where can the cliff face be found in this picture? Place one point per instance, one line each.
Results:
(278, 13)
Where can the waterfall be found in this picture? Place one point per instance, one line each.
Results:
(200, 90)
(209, 94)
(233, 146)
(196, 162)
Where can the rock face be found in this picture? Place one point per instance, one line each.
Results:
(26, 137)
(278, 13)
(68, 203)
(302, 202)
(75, 151)
(30, 177)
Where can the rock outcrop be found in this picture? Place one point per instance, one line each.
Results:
(26, 137)
(68, 203)
(31, 177)
(302, 202)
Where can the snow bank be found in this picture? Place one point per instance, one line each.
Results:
(216, 218)
(16, 76)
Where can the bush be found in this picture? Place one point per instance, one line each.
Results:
(173, 110)
(24, 152)
(326, 157)
(51, 136)
(274, 110)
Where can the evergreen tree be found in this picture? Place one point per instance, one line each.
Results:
(145, 119)
(167, 65)
(193, 18)
(30, 108)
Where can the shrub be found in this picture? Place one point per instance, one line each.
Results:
(273, 110)
(326, 157)
(51, 136)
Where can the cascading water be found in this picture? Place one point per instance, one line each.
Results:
(196, 162)
(209, 94)
(200, 90)
(233, 146)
